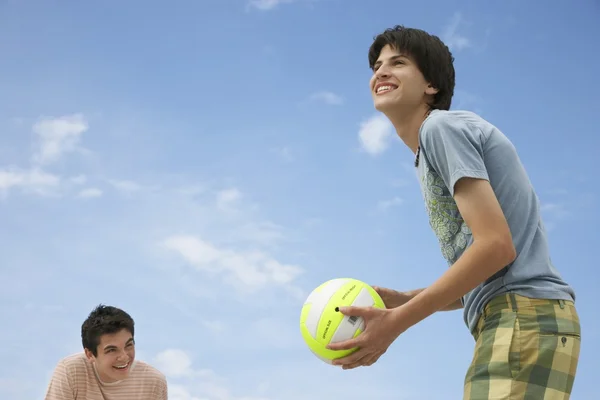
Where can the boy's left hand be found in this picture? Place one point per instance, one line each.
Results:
(382, 327)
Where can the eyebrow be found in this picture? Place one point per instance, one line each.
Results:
(112, 346)
(392, 58)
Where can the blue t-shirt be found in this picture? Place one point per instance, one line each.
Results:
(457, 144)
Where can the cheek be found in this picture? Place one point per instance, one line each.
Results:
(104, 363)
(371, 83)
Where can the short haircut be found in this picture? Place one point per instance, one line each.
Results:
(101, 321)
(430, 54)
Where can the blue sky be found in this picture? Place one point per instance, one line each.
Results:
(204, 165)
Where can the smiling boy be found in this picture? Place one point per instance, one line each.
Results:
(486, 215)
(107, 368)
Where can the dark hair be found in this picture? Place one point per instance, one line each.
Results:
(101, 321)
(431, 55)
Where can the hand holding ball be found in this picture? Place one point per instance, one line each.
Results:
(321, 323)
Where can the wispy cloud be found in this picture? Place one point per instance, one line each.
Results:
(385, 205)
(247, 271)
(54, 138)
(284, 152)
(375, 134)
(57, 136)
(125, 186)
(266, 5)
(90, 193)
(190, 383)
(328, 98)
(227, 199)
(467, 100)
(451, 36)
(31, 180)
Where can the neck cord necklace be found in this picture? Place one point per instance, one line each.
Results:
(419, 147)
(417, 156)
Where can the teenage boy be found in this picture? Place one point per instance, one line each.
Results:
(486, 216)
(107, 368)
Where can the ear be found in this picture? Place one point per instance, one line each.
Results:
(430, 90)
(89, 355)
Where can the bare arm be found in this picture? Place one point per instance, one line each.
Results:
(400, 298)
(455, 305)
(492, 249)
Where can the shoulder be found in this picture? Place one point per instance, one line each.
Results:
(149, 372)
(74, 363)
(72, 369)
(449, 125)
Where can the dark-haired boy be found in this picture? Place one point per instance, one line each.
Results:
(486, 215)
(107, 368)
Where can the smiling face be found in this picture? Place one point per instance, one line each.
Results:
(115, 355)
(397, 84)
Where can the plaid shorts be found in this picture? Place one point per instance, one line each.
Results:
(525, 349)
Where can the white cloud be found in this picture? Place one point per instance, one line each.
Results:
(175, 363)
(32, 180)
(247, 271)
(90, 193)
(265, 5)
(57, 136)
(327, 97)
(375, 134)
(453, 39)
(227, 199)
(125, 186)
(187, 383)
(384, 205)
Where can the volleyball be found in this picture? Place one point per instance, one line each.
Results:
(321, 323)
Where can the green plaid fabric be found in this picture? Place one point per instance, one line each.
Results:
(526, 349)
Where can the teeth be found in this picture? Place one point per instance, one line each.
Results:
(122, 366)
(384, 88)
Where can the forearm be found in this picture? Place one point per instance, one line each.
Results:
(455, 305)
(480, 261)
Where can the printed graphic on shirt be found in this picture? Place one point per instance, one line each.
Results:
(444, 217)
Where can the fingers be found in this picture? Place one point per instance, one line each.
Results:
(354, 311)
(351, 360)
(361, 358)
(345, 345)
(368, 361)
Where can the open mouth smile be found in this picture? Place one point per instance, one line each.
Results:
(385, 88)
(122, 367)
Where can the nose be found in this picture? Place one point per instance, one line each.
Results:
(381, 74)
(382, 71)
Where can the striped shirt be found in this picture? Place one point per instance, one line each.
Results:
(75, 378)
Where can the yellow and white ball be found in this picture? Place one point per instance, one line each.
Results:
(321, 323)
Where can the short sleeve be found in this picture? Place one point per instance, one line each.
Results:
(162, 391)
(454, 149)
(60, 386)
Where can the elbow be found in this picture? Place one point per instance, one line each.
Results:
(505, 250)
(501, 249)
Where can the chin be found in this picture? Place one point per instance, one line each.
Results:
(383, 106)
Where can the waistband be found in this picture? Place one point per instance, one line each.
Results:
(514, 302)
